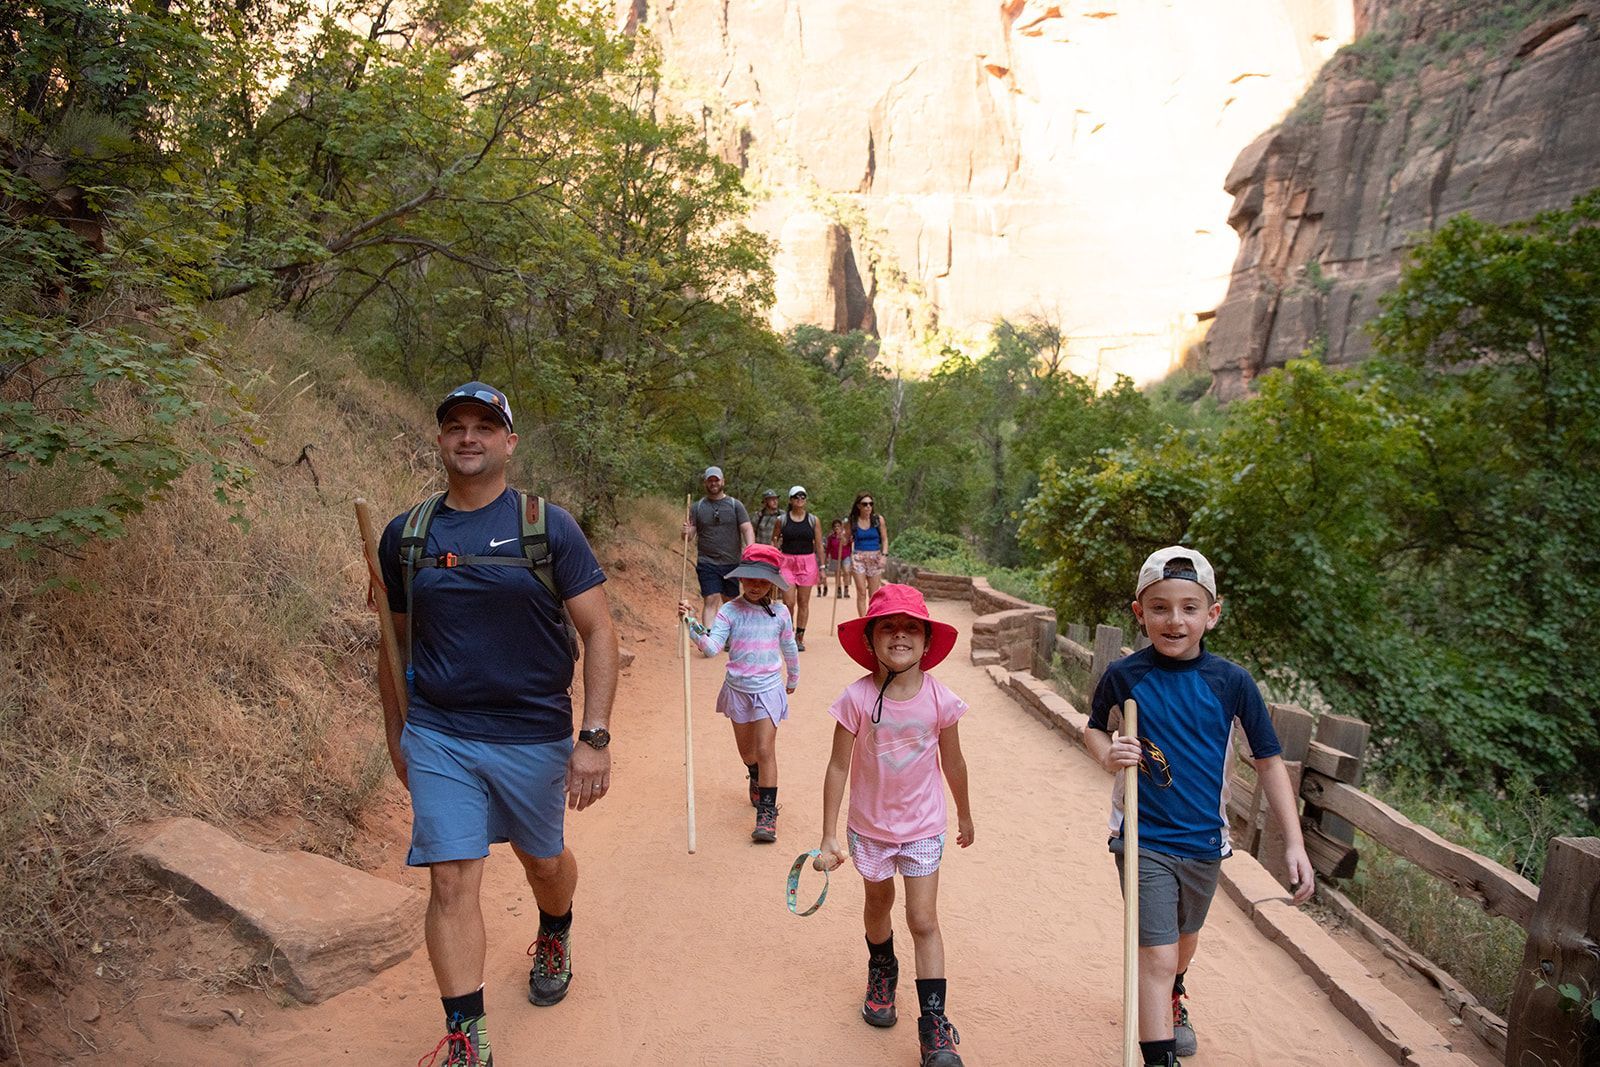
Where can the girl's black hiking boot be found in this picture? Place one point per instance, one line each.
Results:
(878, 1007)
(938, 1040)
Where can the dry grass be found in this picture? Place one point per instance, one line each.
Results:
(197, 666)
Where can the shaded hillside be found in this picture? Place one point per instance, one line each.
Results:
(1443, 107)
(200, 665)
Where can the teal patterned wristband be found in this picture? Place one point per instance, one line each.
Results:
(794, 884)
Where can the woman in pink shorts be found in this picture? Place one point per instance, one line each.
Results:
(799, 537)
(896, 730)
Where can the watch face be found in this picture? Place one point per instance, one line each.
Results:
(595, 738)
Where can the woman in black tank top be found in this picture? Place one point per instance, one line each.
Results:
(801, 543)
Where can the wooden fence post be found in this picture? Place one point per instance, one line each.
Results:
(1294, 734)
(1078, 633)
(1107, 647)
(1044, 647)
(1347, 735)
(1563, 950)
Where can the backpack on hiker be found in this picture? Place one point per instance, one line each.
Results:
(535, 543)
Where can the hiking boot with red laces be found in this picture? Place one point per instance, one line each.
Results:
(939, 1040)
(878, 1007)
(1182, 1032)
(766, 830)
(551, 973)
(465, 1044)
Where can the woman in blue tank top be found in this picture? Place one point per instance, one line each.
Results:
(869, 547)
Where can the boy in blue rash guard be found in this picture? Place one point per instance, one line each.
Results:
(1187, 700)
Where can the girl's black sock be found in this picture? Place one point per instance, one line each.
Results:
(754, 769)
(883, 953)
(768, 795)
(931, 995)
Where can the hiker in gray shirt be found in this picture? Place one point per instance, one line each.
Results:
(721, 528)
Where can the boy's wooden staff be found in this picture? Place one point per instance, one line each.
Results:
(683, 652)
(1130, 896)
(391, 642)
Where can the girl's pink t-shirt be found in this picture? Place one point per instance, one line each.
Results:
(896, 790)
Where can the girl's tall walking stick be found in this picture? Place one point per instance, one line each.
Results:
(683, 651)
(1130, 896)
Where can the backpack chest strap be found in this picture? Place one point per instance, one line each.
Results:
(450, 559)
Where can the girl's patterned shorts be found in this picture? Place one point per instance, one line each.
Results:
(867, 564)
(877, 860)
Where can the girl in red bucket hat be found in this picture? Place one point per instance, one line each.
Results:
(896, 729)
(763, 669)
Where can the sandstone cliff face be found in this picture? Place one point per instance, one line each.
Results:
(950, 162)
(1453, 106)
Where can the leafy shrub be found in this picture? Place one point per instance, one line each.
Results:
(920, 546)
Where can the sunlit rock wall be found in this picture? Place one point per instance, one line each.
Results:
(946, 163)
(1327, 204)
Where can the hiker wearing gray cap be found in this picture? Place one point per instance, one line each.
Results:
(721, 528)
(768, 517)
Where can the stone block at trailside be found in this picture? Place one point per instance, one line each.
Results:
(1354, 990)
(323, 927)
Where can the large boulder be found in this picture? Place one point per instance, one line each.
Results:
(321, 926)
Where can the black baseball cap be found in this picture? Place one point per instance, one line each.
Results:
(478, 393)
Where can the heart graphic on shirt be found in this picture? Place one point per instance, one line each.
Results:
(901, 743)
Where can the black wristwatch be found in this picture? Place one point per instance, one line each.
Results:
(595, 738)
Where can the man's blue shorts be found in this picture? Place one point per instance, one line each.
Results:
(714, 579)
(467, 795)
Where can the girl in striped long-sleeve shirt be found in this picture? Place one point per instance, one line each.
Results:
(763, 669)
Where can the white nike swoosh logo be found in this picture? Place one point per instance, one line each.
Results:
(497, 544)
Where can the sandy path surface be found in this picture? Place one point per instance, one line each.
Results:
(685, 959)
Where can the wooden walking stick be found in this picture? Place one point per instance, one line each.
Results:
(838, 579)
(391, 642)
(1130, 896)
(688, 736)
(683, 571)
(683, 651)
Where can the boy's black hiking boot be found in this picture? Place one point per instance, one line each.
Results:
(1182, 1032)
(766, 830)
(938, 1040)
(465, 1044)
(551, 974)
(878, 1007)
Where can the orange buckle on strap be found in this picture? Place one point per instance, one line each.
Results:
(448, 559)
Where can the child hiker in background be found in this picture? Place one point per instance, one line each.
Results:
(896, 727)
(1187, 700)
(838, 560)
(763, 669)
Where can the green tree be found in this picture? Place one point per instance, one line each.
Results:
(105, 377)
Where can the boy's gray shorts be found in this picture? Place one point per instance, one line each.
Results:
(1174, 894)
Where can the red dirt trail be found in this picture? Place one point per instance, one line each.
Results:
(684, 959)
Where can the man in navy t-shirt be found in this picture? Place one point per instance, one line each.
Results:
(484, 739)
